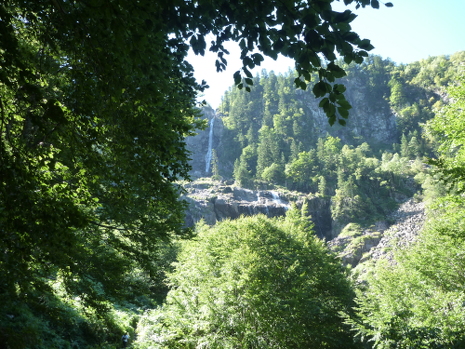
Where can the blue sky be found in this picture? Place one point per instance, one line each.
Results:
(410, 31)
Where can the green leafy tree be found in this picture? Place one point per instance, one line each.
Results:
(322, 185)
(256, 283)
(348, 204)
(301, 170)
(405, 150)
(96, 101)
(417, 302)
(268, 150)
(215, 169)
(274, 174)
(242, 175)
(414, 147)
(397, 98)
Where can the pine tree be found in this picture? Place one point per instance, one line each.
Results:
(322, 185)
(241, 174)
(414, 147)
(404, 147)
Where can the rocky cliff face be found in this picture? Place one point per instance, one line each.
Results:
(370, 119)
(215, 201)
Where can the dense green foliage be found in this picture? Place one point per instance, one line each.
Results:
(96, 99)
(447, 128)
(276, 120)
(418, 301)
(92, 125)
(253, 283)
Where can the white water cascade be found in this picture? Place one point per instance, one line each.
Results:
(277, 200)
(208, 156)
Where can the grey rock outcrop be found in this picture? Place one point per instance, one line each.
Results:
(215, 202)
(382, 239)
(371, 118)
(409, 220)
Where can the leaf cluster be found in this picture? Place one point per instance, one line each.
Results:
(95, 104)
(312, 34)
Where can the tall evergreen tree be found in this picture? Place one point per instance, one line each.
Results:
(405, 151)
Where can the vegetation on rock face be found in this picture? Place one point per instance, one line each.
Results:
(275, 135)
(447, 129)
(275, 122)
(418, 301)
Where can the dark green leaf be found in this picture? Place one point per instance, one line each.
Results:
(344, 104)
(323, 102)
(237, 78)
(331, 119)
(346, 16)
(320, 89)
(339, 88)
(365, 45)
(257, 58)
(278, 45)
(343, 112)
(336, 70)
(350, 37)
(247, 72)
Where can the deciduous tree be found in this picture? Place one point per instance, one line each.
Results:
(255, 283)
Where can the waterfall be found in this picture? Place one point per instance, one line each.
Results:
(208, 156)
(277, 200)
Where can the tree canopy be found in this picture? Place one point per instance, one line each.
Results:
(253, 283)
(416, 300)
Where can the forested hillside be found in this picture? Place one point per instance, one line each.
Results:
(277, 136)
(410, 295)
(275, 122)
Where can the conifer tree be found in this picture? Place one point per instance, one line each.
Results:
(405, 151)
